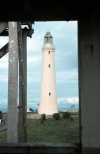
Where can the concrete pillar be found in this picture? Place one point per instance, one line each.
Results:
(12, 83)
(89, 81)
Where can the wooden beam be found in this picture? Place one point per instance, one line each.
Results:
(29, 25)
(27, 6)
(12, 83)
(42, 148)
(3, 50)
(29, 32)
(4, 33)
(3, 26)
(22, 130)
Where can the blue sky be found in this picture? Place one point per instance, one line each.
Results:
(66, 64)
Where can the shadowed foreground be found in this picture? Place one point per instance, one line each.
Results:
(63, 130)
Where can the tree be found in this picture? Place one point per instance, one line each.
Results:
(43, 116)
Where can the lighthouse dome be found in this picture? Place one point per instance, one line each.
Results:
(48, 38)
(48, 42)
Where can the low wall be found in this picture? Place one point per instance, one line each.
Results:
(37, 116)
(39, 148)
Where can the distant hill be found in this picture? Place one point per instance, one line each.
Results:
(67, 106)
(3, 109)
(60, 107)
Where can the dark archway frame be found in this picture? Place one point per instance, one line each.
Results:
(88, 16)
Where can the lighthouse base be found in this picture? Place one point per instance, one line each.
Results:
(48, 109)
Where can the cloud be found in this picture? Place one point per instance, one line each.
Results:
(3, 102)
(70, 100)
(4, 62)
(34, 45)
(4, 78)
(33, 102)
(66, 76)
(33, 59)
(73, 100)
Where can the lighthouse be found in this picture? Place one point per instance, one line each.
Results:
(48, 96)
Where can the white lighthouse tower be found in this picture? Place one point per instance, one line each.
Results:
(48, 98)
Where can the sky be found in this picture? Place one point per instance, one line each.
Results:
(66, 64)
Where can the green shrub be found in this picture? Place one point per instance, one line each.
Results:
(66, 115)
(43, 116)
(56, 116)
(71, 118)
(1, 115)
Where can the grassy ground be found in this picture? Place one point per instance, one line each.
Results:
(53, 130)
(3, 135)
(3, 123)
(50, 131)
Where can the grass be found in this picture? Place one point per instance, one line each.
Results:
(51, 130)
(3, 135)
(62, 130)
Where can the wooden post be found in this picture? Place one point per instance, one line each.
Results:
(3, 50)
(24, 38)
(22, 125)
(12, 83)
(89, 82)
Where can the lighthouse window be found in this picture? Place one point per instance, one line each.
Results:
(49, 65)
(49, 52)
(49, 94)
